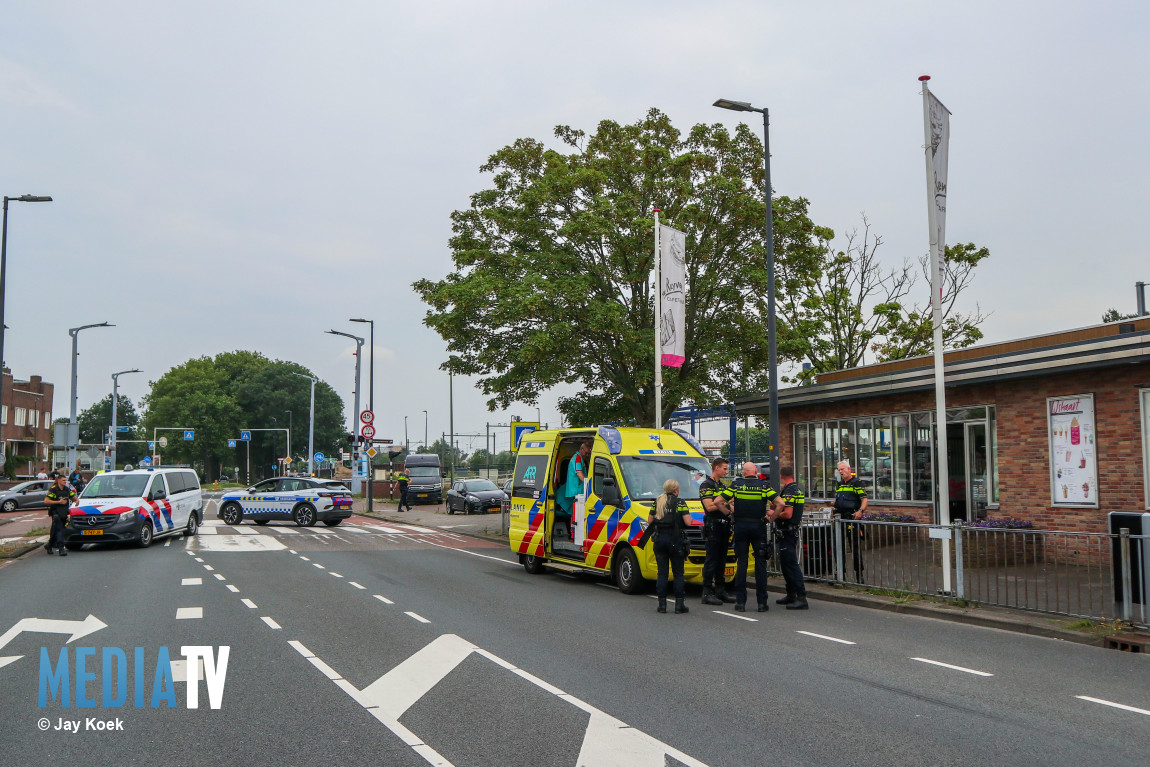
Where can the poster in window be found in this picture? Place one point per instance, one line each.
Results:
(1073, 453)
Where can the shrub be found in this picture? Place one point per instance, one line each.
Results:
(1001, 523)
(888, 516)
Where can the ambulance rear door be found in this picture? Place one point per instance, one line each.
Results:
(529, 498)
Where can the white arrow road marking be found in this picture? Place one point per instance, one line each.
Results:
(50, 626)
(608, 742)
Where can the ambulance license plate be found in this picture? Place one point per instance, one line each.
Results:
(91, 532)
(729, 571)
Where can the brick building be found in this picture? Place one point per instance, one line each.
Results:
(1053, 429)
(26, 421)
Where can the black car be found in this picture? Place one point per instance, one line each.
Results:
(475, 495)
(26, 495)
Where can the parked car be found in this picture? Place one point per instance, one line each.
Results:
(26, 495)
(507, 487)
(475, 495)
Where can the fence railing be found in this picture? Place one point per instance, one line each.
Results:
(1063, 573)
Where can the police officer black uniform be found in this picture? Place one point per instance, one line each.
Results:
(751, 496)
(402, 479)
(787, 525)
(716, 534)
(58, 500)
(669, 519)
(850, 503)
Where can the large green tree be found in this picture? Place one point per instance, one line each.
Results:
(553, 261)
(217, 397)
(96, 420)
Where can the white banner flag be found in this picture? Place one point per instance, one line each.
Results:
(939, 144)
(673, 293)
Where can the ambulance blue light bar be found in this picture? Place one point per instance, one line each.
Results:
(613, 439)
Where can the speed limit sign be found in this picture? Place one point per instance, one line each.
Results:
(367, 416)
(368, 431)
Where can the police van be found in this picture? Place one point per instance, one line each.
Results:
(135, 506)
(625, 474)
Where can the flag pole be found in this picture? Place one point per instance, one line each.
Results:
(658, 327)
(943, 477)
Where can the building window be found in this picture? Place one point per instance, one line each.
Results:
(922, 457)
(1146, 444)
(35, 419)
(21, 416)
(4, 415)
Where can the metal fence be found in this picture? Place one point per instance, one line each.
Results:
(1063, 573)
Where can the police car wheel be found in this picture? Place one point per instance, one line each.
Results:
(533, 565)
(9, 506)
(304, 515)
(626, 572)
(232, 514)
(193, 526)
(144, 540)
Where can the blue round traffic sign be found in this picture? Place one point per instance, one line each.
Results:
(319, 457)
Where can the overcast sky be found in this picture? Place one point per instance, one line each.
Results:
(245, 175)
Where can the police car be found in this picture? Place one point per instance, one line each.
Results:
(303, 500)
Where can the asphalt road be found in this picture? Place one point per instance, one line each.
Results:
(385, 644)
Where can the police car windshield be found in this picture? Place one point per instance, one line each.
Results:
(644, 476)
(424, 471)
(116, 486)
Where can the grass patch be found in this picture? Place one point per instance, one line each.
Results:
(15, 549)
(903, 597)
(1100, 628)
(36, 531)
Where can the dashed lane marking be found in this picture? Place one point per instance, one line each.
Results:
(270, 621)
(353, 583)
(337, 575)
(955, 668)
(383, 599)
(249, 603)
(732, 615)
(189, 613)
(219, 577)
(192, 582)
(1112, 704)
(417, 617)
(823, 636)
(233, 589)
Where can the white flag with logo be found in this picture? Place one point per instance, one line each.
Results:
(673, 294)
(939, 144)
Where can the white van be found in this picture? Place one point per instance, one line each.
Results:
(136, 506)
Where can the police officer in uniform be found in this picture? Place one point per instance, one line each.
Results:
(402, 479)
(716, 534)
(850, 503)
(669, 519)
(787, 524)
(58, 500)
(751, 496)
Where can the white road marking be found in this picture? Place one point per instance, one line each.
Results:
(167, 543)
(233, 589)
(317, 564)
(199, 560)
(418, 617)
(956, 668)
(1112, 704)
(337, 575)
(209, 568)
(190, 553)
(180, 670)
(238, 530)
(249, 603)
(285, 531)
(266, 619)
(359, 530)
(305, 559)
(482, 556)
(292, 551)
(732, 615)
(823, 636)
(383, 599)
(220, 577)
(353, 583)
(241, 543)
(189, 613)
(207, 530)
(192, 582)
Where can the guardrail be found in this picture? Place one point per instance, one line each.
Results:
(1057, 572)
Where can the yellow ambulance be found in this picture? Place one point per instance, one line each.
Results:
(625, 472)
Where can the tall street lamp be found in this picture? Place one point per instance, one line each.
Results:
(289, 436)
(370, 398)
(3, 274)
(424, 429)
(115, 404)
(355, 414)
(773, 361)
(310, 426)
(73, 429)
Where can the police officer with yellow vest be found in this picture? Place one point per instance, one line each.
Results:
(716, 533)
(787, 524)
(751, 496)
(850, 503)
(58, 500)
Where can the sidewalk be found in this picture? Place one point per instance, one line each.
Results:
(486, 526)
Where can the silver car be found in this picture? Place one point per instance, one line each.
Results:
(26, 495)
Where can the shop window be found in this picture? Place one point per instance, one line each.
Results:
(884, 459)
(818, 460)
(993, 456)
(865, 448)
(802, 457)
(831, 435)
(901, 458)
(1146, 444)
(847, 444)
(922, 457)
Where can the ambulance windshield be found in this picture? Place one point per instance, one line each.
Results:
(644, 476)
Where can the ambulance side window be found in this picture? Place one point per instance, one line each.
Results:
(607, 490)
(530, 476)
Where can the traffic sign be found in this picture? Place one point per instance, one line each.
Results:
(368, 431)
(163, 441)
(319, 457)
(147, 461)
(245, 436)
(287, 460)
(518, 429)
(122, 429)
(372, 452)
(367, 416)
(151, 445)
(231, 443)
(189, 435)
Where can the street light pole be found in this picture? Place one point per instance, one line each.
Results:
(769, 234)
(73, 429)
(355, 415)
(310, 427)
(370, 400)
(3, 275)
(425, 430)
(115, 405)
